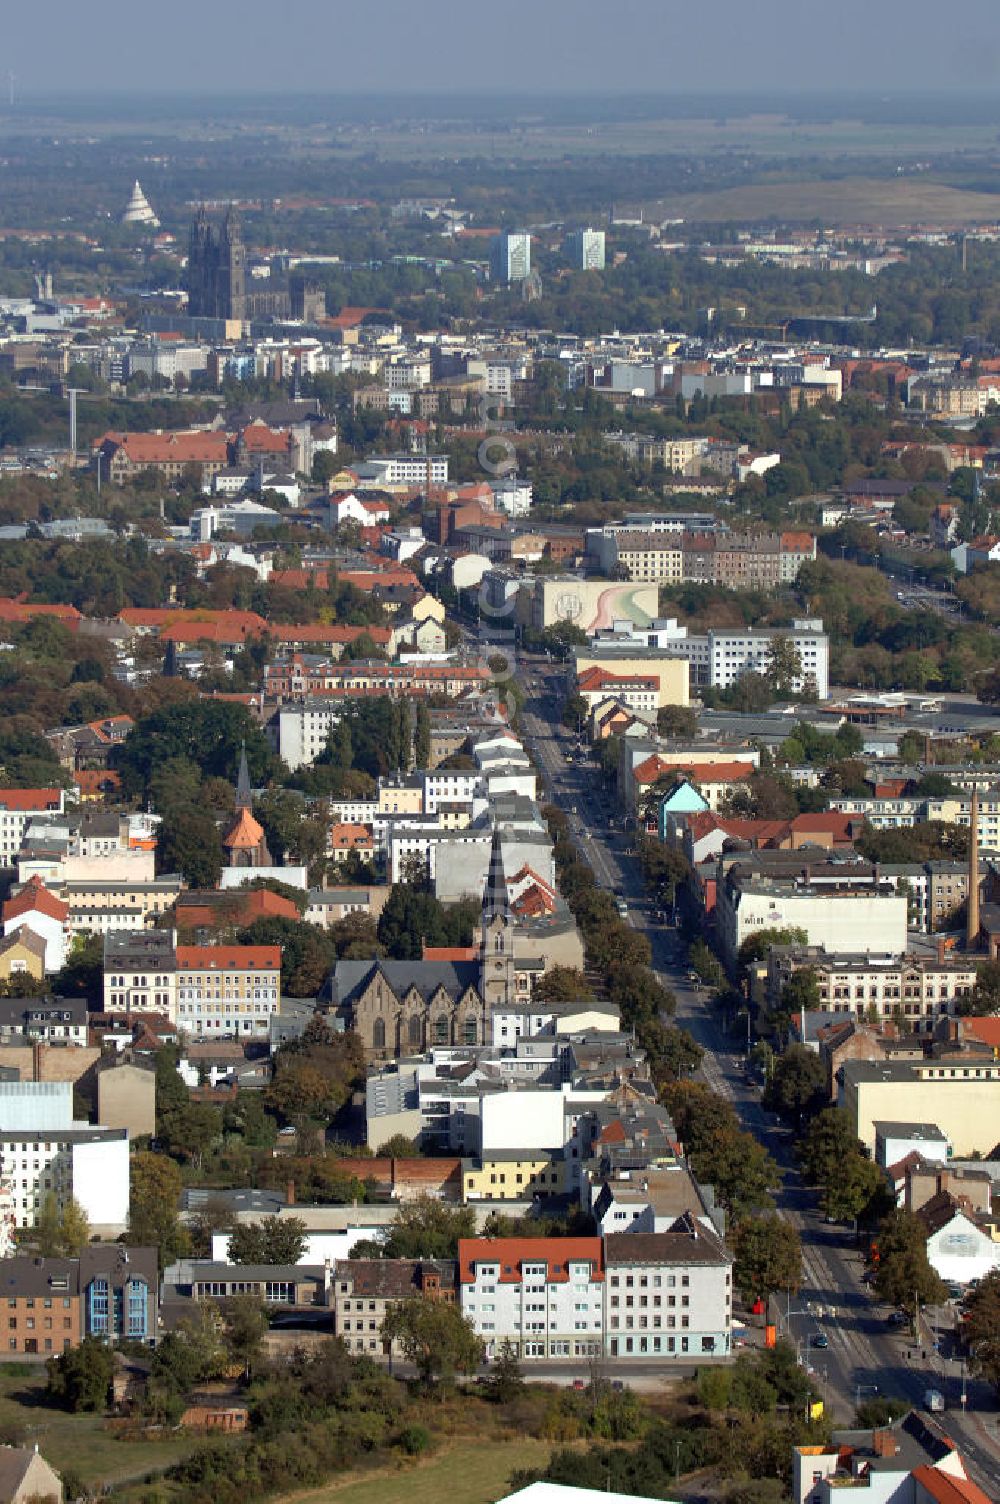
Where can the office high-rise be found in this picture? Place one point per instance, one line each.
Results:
(510, 256)
(585, 250)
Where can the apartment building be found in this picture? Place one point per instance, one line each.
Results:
(668, 1294)
(363, 1290)
(916, 989)
(44, 1151)
(17, 809)
(228, 991)
(140, 972)
(43, 1315)
(544, 1295)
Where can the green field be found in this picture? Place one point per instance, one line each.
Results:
(467, 1473)
(77, 1442)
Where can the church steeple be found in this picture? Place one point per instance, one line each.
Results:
(243, 794)
(498, 983)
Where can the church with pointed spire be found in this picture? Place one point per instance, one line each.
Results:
(243, 840)
(450, 996)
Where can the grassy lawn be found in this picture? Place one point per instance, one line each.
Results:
(467, 1473)
(78, 1442)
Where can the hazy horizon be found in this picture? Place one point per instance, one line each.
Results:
(526, 48)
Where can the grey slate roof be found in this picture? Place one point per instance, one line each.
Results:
(349, 978)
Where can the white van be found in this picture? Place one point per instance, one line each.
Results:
(933, 1400)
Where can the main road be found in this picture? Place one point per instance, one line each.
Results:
(861, 1353)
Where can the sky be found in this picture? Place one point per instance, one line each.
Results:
(524, 46)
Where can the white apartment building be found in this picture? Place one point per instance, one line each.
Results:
(728, 655)
(140, 972)
(512, 496)
(17, 809)
(668, 1294)
(510, 256)
(628, 1295)
(302, 732)
(228, 991)
(918, 988)
(404, 469)
(544, 1295)
(43, 1151)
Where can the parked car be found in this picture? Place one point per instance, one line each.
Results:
(579, 1383)
(821, 1340)
(933, 1400)
(898, 1318)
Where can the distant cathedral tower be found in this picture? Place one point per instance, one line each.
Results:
(498, 982)
(216, 269)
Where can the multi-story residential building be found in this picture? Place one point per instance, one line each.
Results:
(510, 256)
(44, 1151)
(140, 972)
(408, 469)
(916, 989)
(34, 910)
(905, 1461)
(17, 809)
(49, 1020)
(365, 1289)
(119, 1292)
(668, 1294)
(228, 990)
(739, 561)
(544, 1295)
(42, 1305)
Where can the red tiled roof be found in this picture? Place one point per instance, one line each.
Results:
(946, 1488)
(986, 1030)
(20, 610)
(831, 821)
(228, 957)
(259, 439)
(319, 632)
(244, 905)
(158, 448)
(29, 799)
(245, 834)
(347, 836)
(180, 616)
(511, 1253)
(97, 781)
(450, 952)
(35, 898)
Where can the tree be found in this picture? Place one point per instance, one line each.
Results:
(797, 1084)
(677, 720)
(755, 947)
(828, 1140)
(80, 1378)
(74, 1230)
(506, 1380)
(398, 1146)
(563, 984)
(428, 1229)
(857, 1185)
(244, 1326)
(982, 1327)
(904, 1277)
(272, 1240)
(784, 665)
(422, 737)
(307, 953)
(190, 843)
(768, 1257)
(152, 1213)
(208, 733)
(435, 1337)
(984, 998)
